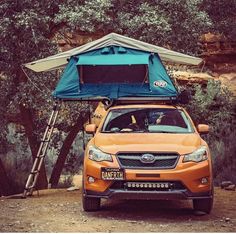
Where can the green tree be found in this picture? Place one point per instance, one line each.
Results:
(177, 24)
(222, 15)
(25, 30)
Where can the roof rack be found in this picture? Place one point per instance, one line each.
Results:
(107, 102)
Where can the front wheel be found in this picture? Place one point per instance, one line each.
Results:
(204, 205)
(91, 203)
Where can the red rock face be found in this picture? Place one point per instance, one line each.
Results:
(219, 53)
(220, 56)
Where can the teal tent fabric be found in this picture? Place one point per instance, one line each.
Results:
(69, 84)
(151, 80)
(114, 59)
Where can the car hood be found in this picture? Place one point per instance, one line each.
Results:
(147, 142)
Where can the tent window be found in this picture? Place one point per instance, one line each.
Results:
(103, 74)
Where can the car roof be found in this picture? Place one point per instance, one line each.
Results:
(128, 106)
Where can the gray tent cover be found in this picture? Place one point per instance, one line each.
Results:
(112, 39)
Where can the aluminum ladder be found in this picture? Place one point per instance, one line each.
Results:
(38, 161)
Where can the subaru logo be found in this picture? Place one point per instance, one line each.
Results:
(147, 158)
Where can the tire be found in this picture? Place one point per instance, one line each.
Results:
(91, 203)
(204, 205)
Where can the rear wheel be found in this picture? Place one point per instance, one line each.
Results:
(204, 205)
(91, 203)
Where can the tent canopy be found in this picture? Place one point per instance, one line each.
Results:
(114, 67)
(112, 39)
(117, 73)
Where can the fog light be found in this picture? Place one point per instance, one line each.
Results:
(91, 179)
(204, 180)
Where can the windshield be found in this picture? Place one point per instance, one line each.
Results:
(162, 120)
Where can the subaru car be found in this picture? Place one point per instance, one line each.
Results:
(150, 152)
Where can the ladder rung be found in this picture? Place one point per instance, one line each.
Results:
(34, 172)
(30, 187)
(41, 156)
(44, 140)
(50, 125)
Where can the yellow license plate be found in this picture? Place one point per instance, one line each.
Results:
(112, 173)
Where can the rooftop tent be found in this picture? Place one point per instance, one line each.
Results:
(113, 67)
(115, 72)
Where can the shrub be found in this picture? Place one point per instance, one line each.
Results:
(215, 105)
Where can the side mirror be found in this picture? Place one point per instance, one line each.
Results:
(90, 128)
(203, 128)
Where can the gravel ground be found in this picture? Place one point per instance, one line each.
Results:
(57, 210)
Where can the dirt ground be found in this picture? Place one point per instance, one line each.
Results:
(57, 210)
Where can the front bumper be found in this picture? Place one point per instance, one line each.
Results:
(189, 174)
(187, 178)
(148, 195)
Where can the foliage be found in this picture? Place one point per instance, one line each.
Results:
(177, 24)
(5, 95)
(88, 16)
(26, 30)
(73, 164)
(223, 16)
(215, 106)
(65, 181)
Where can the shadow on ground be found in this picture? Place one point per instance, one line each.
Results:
(149, 210)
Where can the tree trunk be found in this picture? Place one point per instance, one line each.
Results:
(5, 188)
(56, 172)
(27, 121)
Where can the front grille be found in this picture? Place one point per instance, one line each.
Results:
(161, 161)
(173, 185)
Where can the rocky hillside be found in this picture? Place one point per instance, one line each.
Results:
(220, 58)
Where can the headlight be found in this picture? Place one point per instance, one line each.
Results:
(97, 155)
(197, 156)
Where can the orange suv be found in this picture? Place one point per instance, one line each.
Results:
(147, 152)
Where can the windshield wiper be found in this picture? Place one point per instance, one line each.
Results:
(161, 132)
